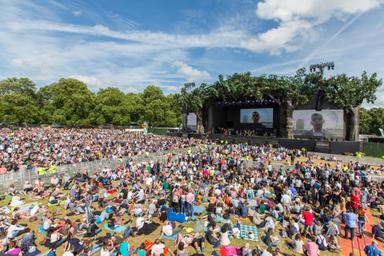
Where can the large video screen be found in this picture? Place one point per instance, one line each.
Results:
(191, 122)
(260, 117)
(325, 124)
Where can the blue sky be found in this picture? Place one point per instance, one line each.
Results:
(131, 44)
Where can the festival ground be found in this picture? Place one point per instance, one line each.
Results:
(346, 245)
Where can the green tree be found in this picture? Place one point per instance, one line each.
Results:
(159, 110)
(69, 102)
(134, 105)
(18, 103)
(193, 102)
(371, 120)
(152, 93)
(17, 108)
(350, 93)
(18, 85)
(110, 105)
(174, 112)
(365, 121)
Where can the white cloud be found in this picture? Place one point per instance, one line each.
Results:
(280, 38)
(297, 19)
(77, 13)
(319, 11)
(296, 22)
(192, 74)
(48, 48)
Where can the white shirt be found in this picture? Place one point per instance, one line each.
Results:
(139, 222)
(167, 230)
(285, 199)
(224, 239)
(266, 253)
(149, 181)
(157, 249)
(104, 252)
(11, 233)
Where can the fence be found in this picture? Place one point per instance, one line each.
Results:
(19, 178)
(159, 130)
(373, 149)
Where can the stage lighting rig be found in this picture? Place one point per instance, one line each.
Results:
(321, 66)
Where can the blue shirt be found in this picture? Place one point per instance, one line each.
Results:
(124, 249)
(372, 250)
(350, 219)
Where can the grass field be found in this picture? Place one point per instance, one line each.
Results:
(59, 212)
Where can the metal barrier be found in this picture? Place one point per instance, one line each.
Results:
(19, 178)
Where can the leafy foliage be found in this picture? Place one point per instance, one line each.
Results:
(18, 103)
(70, 102)
(371, 120)
(353, 91)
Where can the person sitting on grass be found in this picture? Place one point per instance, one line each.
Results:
(271, 238)
(158, 248)
(373, 250)
(378, 231)
(212, 236)
(169, 230)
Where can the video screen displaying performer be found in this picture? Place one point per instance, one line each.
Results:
(325, 124)
(260, 117)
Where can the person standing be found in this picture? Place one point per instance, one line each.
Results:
(308, 221)
(362, 219)
(351, 219)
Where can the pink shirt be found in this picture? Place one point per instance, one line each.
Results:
(312, 249)
(190, 198)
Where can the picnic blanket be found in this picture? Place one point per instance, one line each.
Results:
(115, 229)
(179, 217)
(148, 228)
(245, 230)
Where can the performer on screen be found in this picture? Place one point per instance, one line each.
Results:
(317, 131)
(256, 120)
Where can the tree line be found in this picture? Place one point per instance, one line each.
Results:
(70, 102)
(371, 120)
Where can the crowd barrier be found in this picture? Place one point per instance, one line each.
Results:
(19, 178)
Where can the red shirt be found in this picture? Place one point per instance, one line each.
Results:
(354, 202)
(308, 218)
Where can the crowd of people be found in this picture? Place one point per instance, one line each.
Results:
(201, 200)
(246, 132)
(42, 147)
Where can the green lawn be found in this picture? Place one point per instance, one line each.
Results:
(136, 241)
